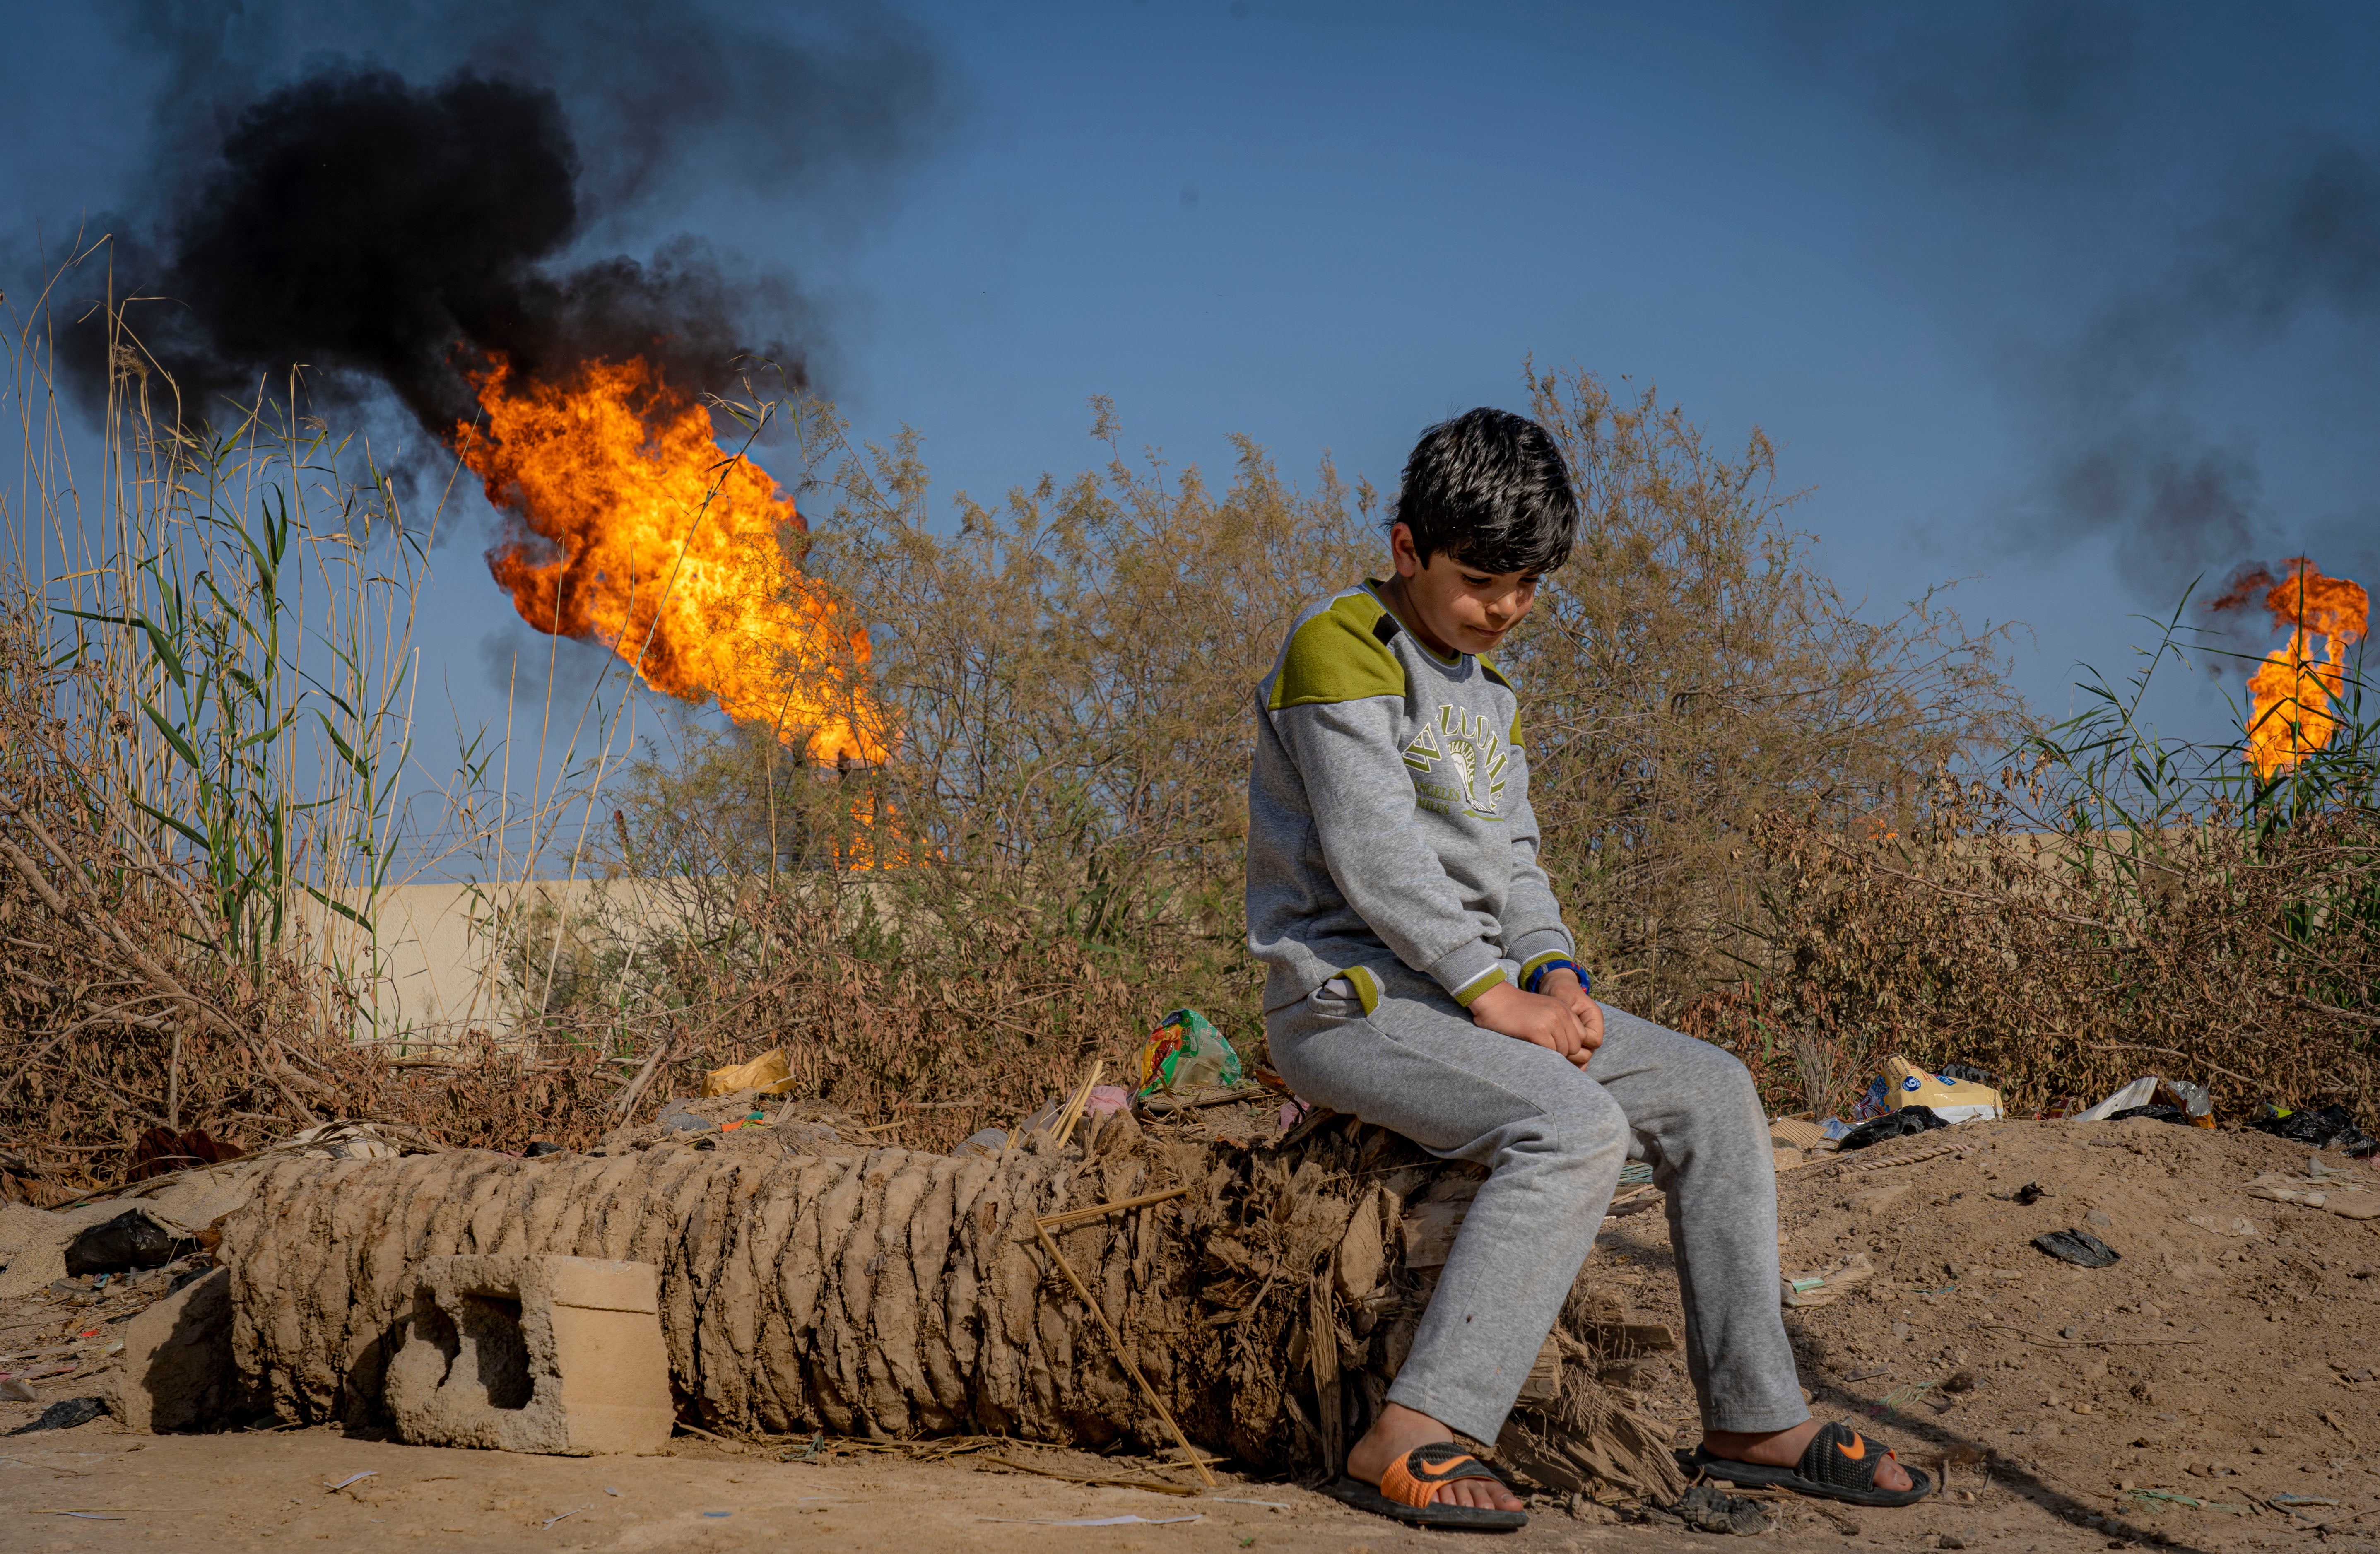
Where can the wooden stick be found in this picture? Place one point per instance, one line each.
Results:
(1122, 1356)
(644, 1075)
(2170, 1053)
(1074, 1112)
(1076, 1216)
(1118, 1481)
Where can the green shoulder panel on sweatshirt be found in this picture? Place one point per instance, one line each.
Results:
(1339, 656)
(1496, 676)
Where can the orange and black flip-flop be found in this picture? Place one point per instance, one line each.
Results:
(1839, 1463)
(1406, 1490)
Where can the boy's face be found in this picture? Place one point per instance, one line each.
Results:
(1456, 608)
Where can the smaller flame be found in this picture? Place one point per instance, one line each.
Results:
(2293, 692)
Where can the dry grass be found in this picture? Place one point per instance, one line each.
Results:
(2117, 905)
(1740, 778)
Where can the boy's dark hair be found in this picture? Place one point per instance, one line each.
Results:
(1489, 489)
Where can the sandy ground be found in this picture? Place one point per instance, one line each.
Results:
(2212, 1391)
(270, 1490)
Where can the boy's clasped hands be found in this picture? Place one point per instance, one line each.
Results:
(1560, 1017)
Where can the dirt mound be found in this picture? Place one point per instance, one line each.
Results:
(810, 1283)
(2228, 1358)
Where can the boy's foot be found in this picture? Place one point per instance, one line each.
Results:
(1836, 1462)
(1395, 1434)
(1783, 1449)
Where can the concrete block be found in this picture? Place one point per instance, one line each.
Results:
(561, 1355)
(177, 1367)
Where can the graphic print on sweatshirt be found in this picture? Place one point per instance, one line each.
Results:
(1458, 764)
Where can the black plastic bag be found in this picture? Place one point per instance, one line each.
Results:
(2079, 1247)
(2153, 1113)
(1893, 1124)
(131, 1240)
(64, 1415)
(2331, 1127)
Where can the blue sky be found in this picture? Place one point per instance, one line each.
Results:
(1946, 257)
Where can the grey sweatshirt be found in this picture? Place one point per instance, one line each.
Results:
(1388, 815)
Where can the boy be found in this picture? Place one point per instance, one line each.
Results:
(1420, 977)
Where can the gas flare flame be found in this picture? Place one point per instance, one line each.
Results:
(667, 550)
(2292, 693)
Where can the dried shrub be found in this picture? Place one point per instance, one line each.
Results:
(2113, 906)
(1066, 683)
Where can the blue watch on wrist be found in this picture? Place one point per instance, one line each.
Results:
(1538, 977)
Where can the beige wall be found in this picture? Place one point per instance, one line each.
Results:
(436, 953)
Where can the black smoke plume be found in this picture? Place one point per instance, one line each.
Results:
(385, 228)
(2069, 107)
(372, 230)
(2298, 242)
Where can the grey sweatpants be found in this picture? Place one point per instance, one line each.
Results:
(1553, 1138)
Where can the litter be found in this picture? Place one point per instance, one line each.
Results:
(678, 1117)
(769, 1073)
(2153, 1096)
(1824, 1288)
(2169, 1497)
(133, 1239)
(2352, 1203)
(351, 1478)
(577, 1509)
(1952, 1100)
(1094, 1521)
(2332, 1127)
(985, 1142)
(1707, 1510)
(2079, 1247)
(2140, 1092)
(84, 1515)
(1186, 1053)
(1890, 1403)
(539, 1147)
(609, 1491)
(1898, 1124)
(65, 1414)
